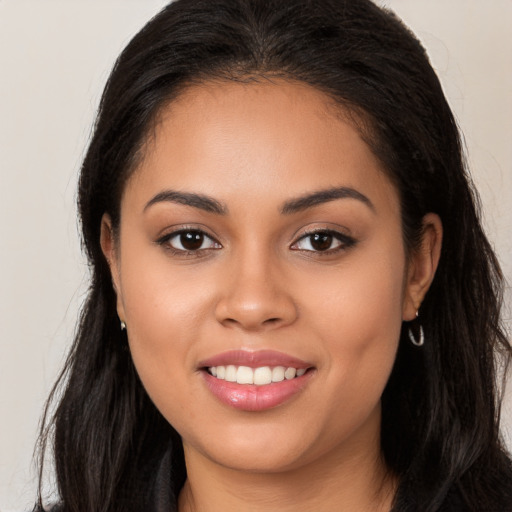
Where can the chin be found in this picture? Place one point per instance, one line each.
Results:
(260, 461)
(264, 448)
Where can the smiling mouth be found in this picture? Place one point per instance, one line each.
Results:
(259, 376)
(255, 380)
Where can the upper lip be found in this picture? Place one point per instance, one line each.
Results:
(254, 359)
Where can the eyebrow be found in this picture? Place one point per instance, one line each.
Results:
(200, 201)
(323, 196)
(211, 205)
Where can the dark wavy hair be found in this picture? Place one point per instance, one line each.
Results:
(440, 424)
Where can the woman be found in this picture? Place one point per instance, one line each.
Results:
(293, 304)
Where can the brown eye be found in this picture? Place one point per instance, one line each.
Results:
(191, 240)
(321, 241)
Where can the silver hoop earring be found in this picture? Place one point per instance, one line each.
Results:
(417, 341)
(123, 326)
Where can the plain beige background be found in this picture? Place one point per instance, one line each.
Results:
(55, 56)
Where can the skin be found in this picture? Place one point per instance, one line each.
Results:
(259, 284)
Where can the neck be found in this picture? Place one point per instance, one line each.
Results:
(352, 480)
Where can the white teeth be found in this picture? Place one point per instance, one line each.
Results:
(259, 376)
(245, 375)
(290, 373)
(262, 376)
(278, 374)
(230, 373)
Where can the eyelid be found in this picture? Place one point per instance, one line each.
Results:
(169, 231)
(164, 239)
(345, 241)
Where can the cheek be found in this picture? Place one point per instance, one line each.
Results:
(158, 309)
(358, 317)
(159, 299)
(364, 295)
(165, 313)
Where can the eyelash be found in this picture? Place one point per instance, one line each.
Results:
(166, 242)
(345, 242)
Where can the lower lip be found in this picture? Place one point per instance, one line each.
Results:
(249, 397)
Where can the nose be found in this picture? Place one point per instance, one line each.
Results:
(255, 297)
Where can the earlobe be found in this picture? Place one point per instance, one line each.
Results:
(422, 265)
(109, 249)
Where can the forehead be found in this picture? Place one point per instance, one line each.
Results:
(258, 139)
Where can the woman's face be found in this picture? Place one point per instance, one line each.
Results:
(261, 241)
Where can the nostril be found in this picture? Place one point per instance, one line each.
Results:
(246, 309)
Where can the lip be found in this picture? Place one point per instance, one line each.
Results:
(254, 359)
(250, 397)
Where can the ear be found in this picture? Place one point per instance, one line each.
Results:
(110, 250)
(422, 265)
